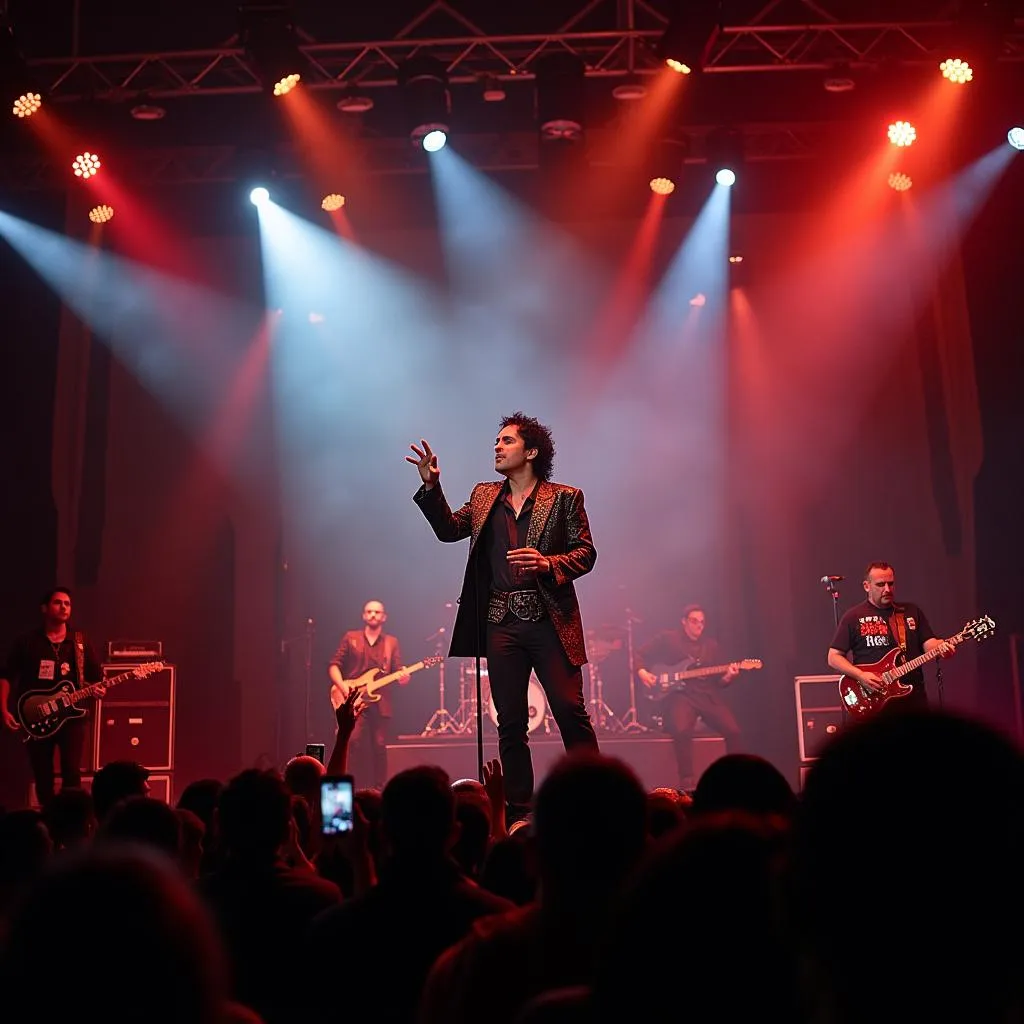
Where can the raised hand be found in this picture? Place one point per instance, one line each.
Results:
(426, 462)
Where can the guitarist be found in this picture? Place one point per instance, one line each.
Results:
(869, 630)
(359, 651)
(40, 659)
(687, 646)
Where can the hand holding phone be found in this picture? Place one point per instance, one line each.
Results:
(337, 804)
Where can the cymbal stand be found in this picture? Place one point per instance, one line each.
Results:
(601, 714)
(631, 723)
(464, 718)
(442, 720)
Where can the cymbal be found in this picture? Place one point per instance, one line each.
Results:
(606, 633)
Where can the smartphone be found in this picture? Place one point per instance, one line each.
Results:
(337, 803)
(317, 750)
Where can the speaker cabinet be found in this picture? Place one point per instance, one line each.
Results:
(819, 713)
(135, 721)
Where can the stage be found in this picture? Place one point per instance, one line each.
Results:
(649, 754)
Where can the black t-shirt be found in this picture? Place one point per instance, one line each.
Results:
(37, 663)
(866, 634)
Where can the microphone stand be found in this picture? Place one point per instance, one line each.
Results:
(307, 635)
(831, 587)
(631, 722)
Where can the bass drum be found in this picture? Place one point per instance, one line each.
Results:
(534, 699)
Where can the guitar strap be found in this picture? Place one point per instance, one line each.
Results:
(899, 618)
(80, 658)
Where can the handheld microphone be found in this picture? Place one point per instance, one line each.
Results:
(832, 579)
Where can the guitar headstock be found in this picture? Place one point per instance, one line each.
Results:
(751, 663)
(978, 629)
(148, 669)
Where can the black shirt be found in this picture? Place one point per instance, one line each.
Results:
(866, 634)
(506, 531)
(37, 663)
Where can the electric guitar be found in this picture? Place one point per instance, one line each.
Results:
(41, 713)
(369, 683)
(860, 700)
(673, 682)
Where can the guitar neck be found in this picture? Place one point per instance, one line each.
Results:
(94, 688)
(697, 673)
(376, 684)
(921, 659)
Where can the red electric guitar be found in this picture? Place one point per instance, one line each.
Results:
(860, 700)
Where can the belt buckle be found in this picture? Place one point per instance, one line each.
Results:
(525, 605)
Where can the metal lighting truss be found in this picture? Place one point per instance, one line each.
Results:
(819, 39)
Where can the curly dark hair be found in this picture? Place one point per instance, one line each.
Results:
(534, 435)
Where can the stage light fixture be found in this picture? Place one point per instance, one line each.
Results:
(724, 152)
(101, 214)
(19, 89)
(1015, 137)
(736, 258)
(900, 181)
(956, 70)
(27, 104)
(561, 97)
(85, 165)
(693, 28)
(259, 196)
(434, 140)
(423, 84)
(665, 166)
(267, 35)
(331, 202)
(902, 133)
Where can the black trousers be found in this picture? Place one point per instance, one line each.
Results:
(514, 648)
(368, 756)
(680, 715)
(70, 741)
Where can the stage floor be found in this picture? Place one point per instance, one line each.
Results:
(649, 754)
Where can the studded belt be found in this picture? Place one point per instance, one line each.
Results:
(523, 604)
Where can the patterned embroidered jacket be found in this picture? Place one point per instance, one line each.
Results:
(558, 529)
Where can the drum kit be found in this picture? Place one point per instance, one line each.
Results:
(601, 643)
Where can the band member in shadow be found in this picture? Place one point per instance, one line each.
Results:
(359, 651)
(698, 698)
(40, 659)
(529, 539)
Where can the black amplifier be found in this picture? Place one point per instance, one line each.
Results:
(134, 650)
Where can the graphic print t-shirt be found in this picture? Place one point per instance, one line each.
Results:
(866, 634)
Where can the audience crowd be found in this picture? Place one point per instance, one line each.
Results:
(888, 888)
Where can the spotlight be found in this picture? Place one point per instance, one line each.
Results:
(101, 214)
(283, 86)
(724, 152)
(665, 165)
(423, 83)
(736, 258)
(1015, 137)
(693, 28)
(354, 102)
(899, 181)
(85, 165)
(561, 98)
(27, 104)
(259, 196)
(267, 36)
(434, 140)
(332, 202)
(956, 70)
(902, 133)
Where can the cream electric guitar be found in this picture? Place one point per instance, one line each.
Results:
(370, 683)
